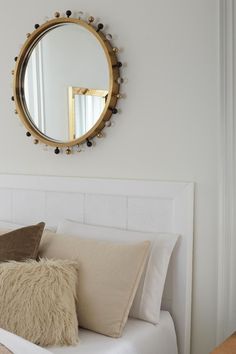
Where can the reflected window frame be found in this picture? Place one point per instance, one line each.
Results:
(75, 91)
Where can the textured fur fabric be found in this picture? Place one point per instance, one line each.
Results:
(37, 301)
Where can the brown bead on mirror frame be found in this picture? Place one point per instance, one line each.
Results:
(67, 83)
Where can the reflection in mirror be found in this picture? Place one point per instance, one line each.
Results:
(66, 56)
(85, 105)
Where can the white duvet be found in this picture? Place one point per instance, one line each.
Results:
(139, 337)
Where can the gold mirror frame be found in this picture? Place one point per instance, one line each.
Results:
(114, 81)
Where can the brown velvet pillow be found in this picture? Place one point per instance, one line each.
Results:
(21, 244)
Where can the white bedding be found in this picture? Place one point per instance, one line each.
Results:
(139, 337)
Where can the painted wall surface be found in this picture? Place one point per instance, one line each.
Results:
(168, 126)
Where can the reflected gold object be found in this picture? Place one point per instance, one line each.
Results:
(76, 91)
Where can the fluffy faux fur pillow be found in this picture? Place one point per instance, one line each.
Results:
(38, 301)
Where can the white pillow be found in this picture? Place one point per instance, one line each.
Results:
(147, 302)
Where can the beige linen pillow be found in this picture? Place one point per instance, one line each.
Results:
(38, 300)
(147, 301)
(108, 278)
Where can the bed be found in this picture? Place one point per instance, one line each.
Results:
(150, 206)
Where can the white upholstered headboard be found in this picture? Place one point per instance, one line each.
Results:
(127, 204)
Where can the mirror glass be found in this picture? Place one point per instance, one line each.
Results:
(66, 82)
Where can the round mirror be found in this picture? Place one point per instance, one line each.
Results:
(66, 82)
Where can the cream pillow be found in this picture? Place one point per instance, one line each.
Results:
(38, 301)
(147, 302)
(109, 275)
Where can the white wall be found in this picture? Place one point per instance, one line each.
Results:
(168, 126)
